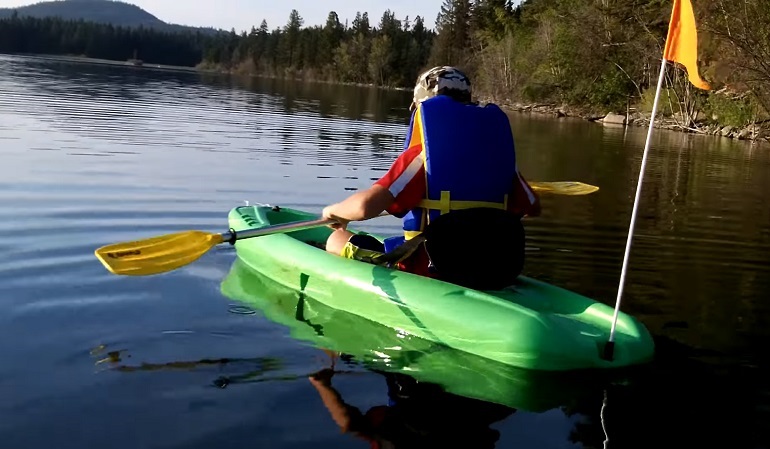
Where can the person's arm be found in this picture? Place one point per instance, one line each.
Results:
(534, 209)
(524, 200)
(361, 205)
(342, 414)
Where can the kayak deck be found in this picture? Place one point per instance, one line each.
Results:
(530, 324)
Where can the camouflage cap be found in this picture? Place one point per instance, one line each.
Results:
(442, 80)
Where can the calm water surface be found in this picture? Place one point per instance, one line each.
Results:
(93, 155)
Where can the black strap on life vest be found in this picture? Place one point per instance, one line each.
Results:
(400, 252)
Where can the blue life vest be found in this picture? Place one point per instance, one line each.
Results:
(469, 158)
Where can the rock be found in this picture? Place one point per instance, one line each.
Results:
(763, 133)
(744, 134)
(726, 131)
(701, 117)
(614, 119)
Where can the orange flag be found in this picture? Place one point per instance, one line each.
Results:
(682, 41)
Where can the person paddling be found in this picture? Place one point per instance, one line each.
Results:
(456, 187)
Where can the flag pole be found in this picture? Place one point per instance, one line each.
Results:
(681, 47)
(609, 347)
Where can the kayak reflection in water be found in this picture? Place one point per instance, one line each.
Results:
(417, 415)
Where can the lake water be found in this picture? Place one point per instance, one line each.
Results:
(95, 154)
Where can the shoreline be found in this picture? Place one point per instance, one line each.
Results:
(753, 133)
(235, 72)
(111, 62)
(757, 132)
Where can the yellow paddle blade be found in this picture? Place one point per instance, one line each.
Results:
(563, 187)
(157, 254)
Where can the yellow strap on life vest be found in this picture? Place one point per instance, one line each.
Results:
(445, 204)
(409, 235)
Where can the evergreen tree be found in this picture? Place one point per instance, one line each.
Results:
(332, 35)
(453, 33)
(361, 24)
(291, 38)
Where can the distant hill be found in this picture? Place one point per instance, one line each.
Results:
(101, 11)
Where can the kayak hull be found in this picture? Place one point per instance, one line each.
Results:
(378, 348)
(530, 325)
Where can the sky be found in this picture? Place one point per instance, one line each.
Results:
(243, 14)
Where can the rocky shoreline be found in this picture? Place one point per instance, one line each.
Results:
(757, 132)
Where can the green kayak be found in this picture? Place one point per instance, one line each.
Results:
(530, 325)
(379, 348)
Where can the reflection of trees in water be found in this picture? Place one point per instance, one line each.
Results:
(385, 143)
(88, 80)
(323, 123)
(326, 99)
(687, 398)
(110, 103)
(288, 119)
(701, 248)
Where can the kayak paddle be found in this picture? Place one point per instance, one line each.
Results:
(168, 252)
(171, 251)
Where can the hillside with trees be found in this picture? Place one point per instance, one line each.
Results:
(112, 12)
(585, 57)
(55, 36)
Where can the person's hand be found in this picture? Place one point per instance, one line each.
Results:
(323, 377)
(330, 213)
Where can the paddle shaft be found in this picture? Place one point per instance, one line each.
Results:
(233, 235)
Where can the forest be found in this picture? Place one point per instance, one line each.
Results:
(55, 36)
(591, 56)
